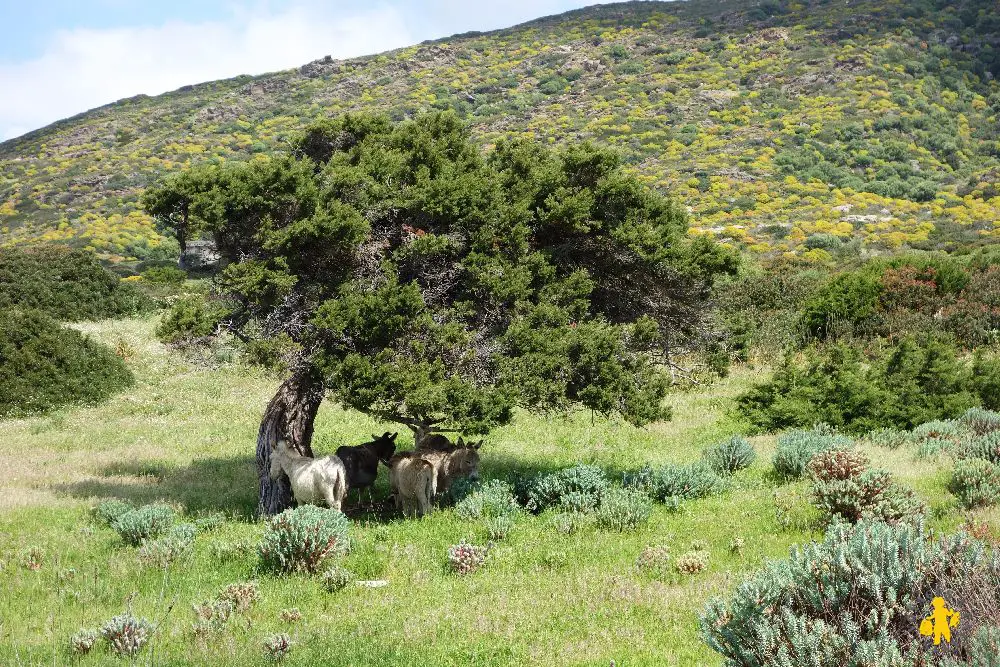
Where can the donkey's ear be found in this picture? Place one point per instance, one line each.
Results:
(374, 437)
(393, 436)
(461, 441)
(478, 445)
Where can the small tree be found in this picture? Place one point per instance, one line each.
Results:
(171, 204)
(428, 285)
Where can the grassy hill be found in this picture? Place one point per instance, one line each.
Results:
(810, 127)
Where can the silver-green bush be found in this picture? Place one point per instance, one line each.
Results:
(300, 539)
(624, 509)
(148, 521)
(796, 449)
(730, 455)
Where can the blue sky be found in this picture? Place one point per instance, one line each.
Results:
(61, 57)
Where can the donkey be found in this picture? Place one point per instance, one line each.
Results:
(361, 462)
(314, 481)
(462, 460)
(434, 442)
(411, 479)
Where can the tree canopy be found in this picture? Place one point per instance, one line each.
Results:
(426, 281)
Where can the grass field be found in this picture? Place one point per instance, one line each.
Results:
(185, 434)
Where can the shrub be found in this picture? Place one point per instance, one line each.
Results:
(986, 447)
(936, 436)
(916, 381)
(148, 521)
(163, 552)
(109, 511)
(278, 646)
(164, 275)
(498, 527)
(494, 498)
(980, 421)
(671, 483)
(465, 558)
(65, 284)
(291, 615)
(654, 559)
(578, 488)
(730, 455)
(299, 539)
(976, 482)
(890, 438)
(209, 521)
(854, 599)
(243, 595)
(844, 488)
(190, 318)
(83, 641)
(796, 449)
(692, 562)
(624, 509)
(337, 578)
(126, 634)
(44, 365)
(211, 615)
(569, 523)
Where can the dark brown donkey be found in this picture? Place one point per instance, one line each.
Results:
(361, 462)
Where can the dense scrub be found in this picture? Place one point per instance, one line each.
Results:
(917, 380)
(66, 284)
(44, 365)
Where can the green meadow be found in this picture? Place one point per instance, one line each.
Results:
(185, 434)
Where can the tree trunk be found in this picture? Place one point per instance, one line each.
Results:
(289, 416)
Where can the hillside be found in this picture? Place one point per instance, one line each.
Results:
(809, 127)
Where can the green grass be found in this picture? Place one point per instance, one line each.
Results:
(185, 434)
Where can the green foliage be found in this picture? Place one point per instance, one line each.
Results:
(846, 302)
(976, 482)
(164, 275)
(797, 448)
(190, 318)
(854, 599)
(916, 381)
(44, 365)
(623, 509)
(148, 521)
(730, 456)
(68, 285)
(300, 539)
(576, 489)
(432, 282)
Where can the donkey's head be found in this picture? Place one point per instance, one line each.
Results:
(384, 445)
(463, 461)
(278, 454)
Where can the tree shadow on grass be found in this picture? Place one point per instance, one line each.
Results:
(213, 484)
(230, 485)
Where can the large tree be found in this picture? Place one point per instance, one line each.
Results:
(424, 281)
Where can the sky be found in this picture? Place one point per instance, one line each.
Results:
(59, 58)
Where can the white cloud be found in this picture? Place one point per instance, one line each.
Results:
(85, 68)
